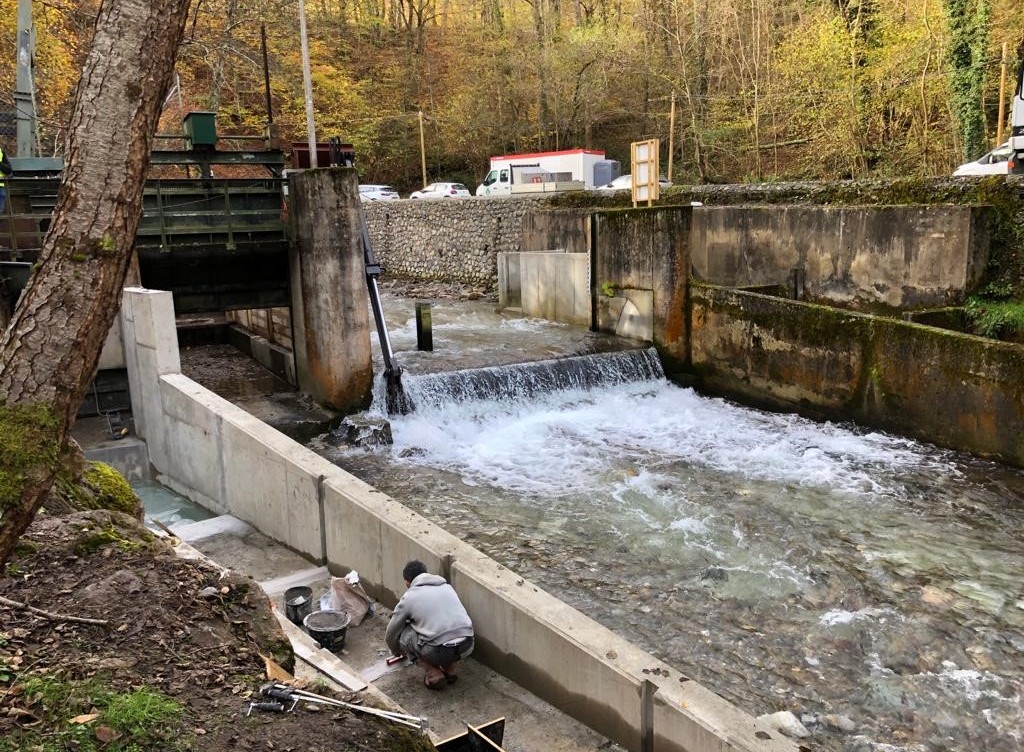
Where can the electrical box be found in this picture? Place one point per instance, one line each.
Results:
(201, 129)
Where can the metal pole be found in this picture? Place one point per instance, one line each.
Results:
(423, 151)
(24, 102)
(671, 134)
(307, 84)
(1002, 94)
(266, 74)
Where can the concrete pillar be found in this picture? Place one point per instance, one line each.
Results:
(151, 351)
(330, 307)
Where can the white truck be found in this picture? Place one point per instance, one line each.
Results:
(571, 169)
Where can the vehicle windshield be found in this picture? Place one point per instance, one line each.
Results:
(491, 177)
(459, 187)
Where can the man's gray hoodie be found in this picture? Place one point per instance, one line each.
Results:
(433, 609)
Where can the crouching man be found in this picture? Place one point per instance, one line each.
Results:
(430, 626)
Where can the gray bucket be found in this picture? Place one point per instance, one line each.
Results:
(328, 628)
(298, 602)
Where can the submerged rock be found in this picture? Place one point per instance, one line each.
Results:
(360, 430)
(785, 723)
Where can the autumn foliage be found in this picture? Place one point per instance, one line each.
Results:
(763, 89)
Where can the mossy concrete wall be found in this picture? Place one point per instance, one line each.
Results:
(641, 259)
(951, 389)
(330, 315)
(861, 258)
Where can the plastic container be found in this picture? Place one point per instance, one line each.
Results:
(328, 628)
(298, 602)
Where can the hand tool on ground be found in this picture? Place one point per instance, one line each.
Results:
(284, 692)
(273, 707)
(376, 671)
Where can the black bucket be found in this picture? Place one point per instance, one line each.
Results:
(298, 602)
(328, 628)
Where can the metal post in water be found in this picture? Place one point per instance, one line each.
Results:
(397, 400)
(424, 329)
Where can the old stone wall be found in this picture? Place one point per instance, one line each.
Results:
(458, 240)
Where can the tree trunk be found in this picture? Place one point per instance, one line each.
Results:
(49, 352)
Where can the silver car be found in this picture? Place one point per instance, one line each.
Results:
(625, 183)
(441, 190)
(378, 193)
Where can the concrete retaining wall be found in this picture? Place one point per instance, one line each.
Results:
(642, 260)
(951, 389)
(239, 465)
(862, 258)
(556, 286)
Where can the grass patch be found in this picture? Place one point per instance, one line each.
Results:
(997, 319)
(137, 721)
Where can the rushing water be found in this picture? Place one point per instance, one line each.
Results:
(857, 579)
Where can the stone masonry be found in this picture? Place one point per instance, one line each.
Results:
(453, 240)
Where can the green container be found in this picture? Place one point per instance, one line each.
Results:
(201, 128)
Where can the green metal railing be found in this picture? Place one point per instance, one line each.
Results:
(177, 214)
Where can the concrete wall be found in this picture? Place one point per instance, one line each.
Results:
(940, 386)
(200, 441)
(331, 320)
(556, 286)
(641, 265)
(862, 258)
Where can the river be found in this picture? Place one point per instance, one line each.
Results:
(868, 583)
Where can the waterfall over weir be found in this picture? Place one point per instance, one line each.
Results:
(527, 380)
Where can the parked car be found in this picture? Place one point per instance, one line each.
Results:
(378, 193)
(441, 190)
(625, 183)
(996, 162)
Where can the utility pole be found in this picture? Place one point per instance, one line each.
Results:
(307, 85)
(271, 136)
(1002, 94)
(24, 99)
(423, 151)
(671, 134)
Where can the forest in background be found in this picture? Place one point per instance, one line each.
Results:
(764, 90)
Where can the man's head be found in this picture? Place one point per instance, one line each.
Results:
(413, 570)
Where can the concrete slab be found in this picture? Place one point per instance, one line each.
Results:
(251, 553)
(480, 695)
(315, 577)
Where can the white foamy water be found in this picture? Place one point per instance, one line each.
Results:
(569, 442)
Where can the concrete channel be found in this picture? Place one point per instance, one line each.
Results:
(286, 516)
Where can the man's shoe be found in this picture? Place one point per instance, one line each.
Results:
(451, 672)
(434, 678)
